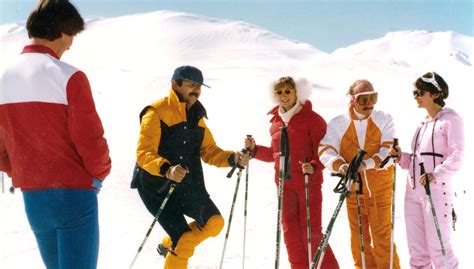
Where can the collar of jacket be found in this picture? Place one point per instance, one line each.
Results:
(354, 116)
(441, 113)
(198, 108)
(306, 107)
(39, 49)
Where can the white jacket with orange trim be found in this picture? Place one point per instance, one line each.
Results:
(346, 135)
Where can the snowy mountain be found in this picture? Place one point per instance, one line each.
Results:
(129, 61)
(411, 48)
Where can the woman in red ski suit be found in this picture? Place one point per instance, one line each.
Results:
(305, 129)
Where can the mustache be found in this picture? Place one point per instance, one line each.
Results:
(194, 94)
(368, 108)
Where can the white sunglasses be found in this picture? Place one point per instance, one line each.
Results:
(432, 80)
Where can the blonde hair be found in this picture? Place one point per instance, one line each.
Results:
(300, 85)
(289, 82)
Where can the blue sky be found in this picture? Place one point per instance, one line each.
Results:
(327, 25)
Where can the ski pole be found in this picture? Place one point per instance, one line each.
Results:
(392, 234)
(433, 212)
(280, 203)
(162, 206)
(394, 188)
(239, 173)
(358, 182)
(308, 215)
(284, 151)
(245, 208)
(345, 191)
(245, 213)
(229, 175)
(343, 187)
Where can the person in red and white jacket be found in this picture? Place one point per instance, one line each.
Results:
(52, 141)
(306, 128)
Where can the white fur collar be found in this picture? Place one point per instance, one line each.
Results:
(303, 90)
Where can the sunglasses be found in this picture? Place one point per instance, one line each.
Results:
(418, 92)
(432, 80)
(365, 98)
(286, 92)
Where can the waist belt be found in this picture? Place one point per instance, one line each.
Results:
(432, 154)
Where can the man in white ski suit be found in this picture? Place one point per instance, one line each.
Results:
(373, 131)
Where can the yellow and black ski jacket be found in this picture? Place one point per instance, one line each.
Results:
(171, 135)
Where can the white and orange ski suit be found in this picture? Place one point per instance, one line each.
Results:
(345, 136)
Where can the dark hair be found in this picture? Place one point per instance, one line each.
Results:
(285, 81)
(431, 88)
(179, 82)
(51, 18)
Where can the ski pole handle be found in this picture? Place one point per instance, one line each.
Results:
(395, 143)
(337, 175)
(231, 172)
(385, 161)
(427, 182)
(305, 160)
(248, 149)
(249, 136)
(237, 165)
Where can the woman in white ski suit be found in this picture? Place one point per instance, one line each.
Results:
(438, 143)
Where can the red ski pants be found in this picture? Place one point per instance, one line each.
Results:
(295, 228)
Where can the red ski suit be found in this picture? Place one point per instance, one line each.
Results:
(305, 129)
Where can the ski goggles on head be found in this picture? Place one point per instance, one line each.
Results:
(418, 92)
(286, 91)
(432, 80)
(364, 98)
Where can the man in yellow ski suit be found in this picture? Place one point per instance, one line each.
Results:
(373, 131)
(172, 142)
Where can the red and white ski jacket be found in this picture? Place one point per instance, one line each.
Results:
(305, 131)
(50, 133)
